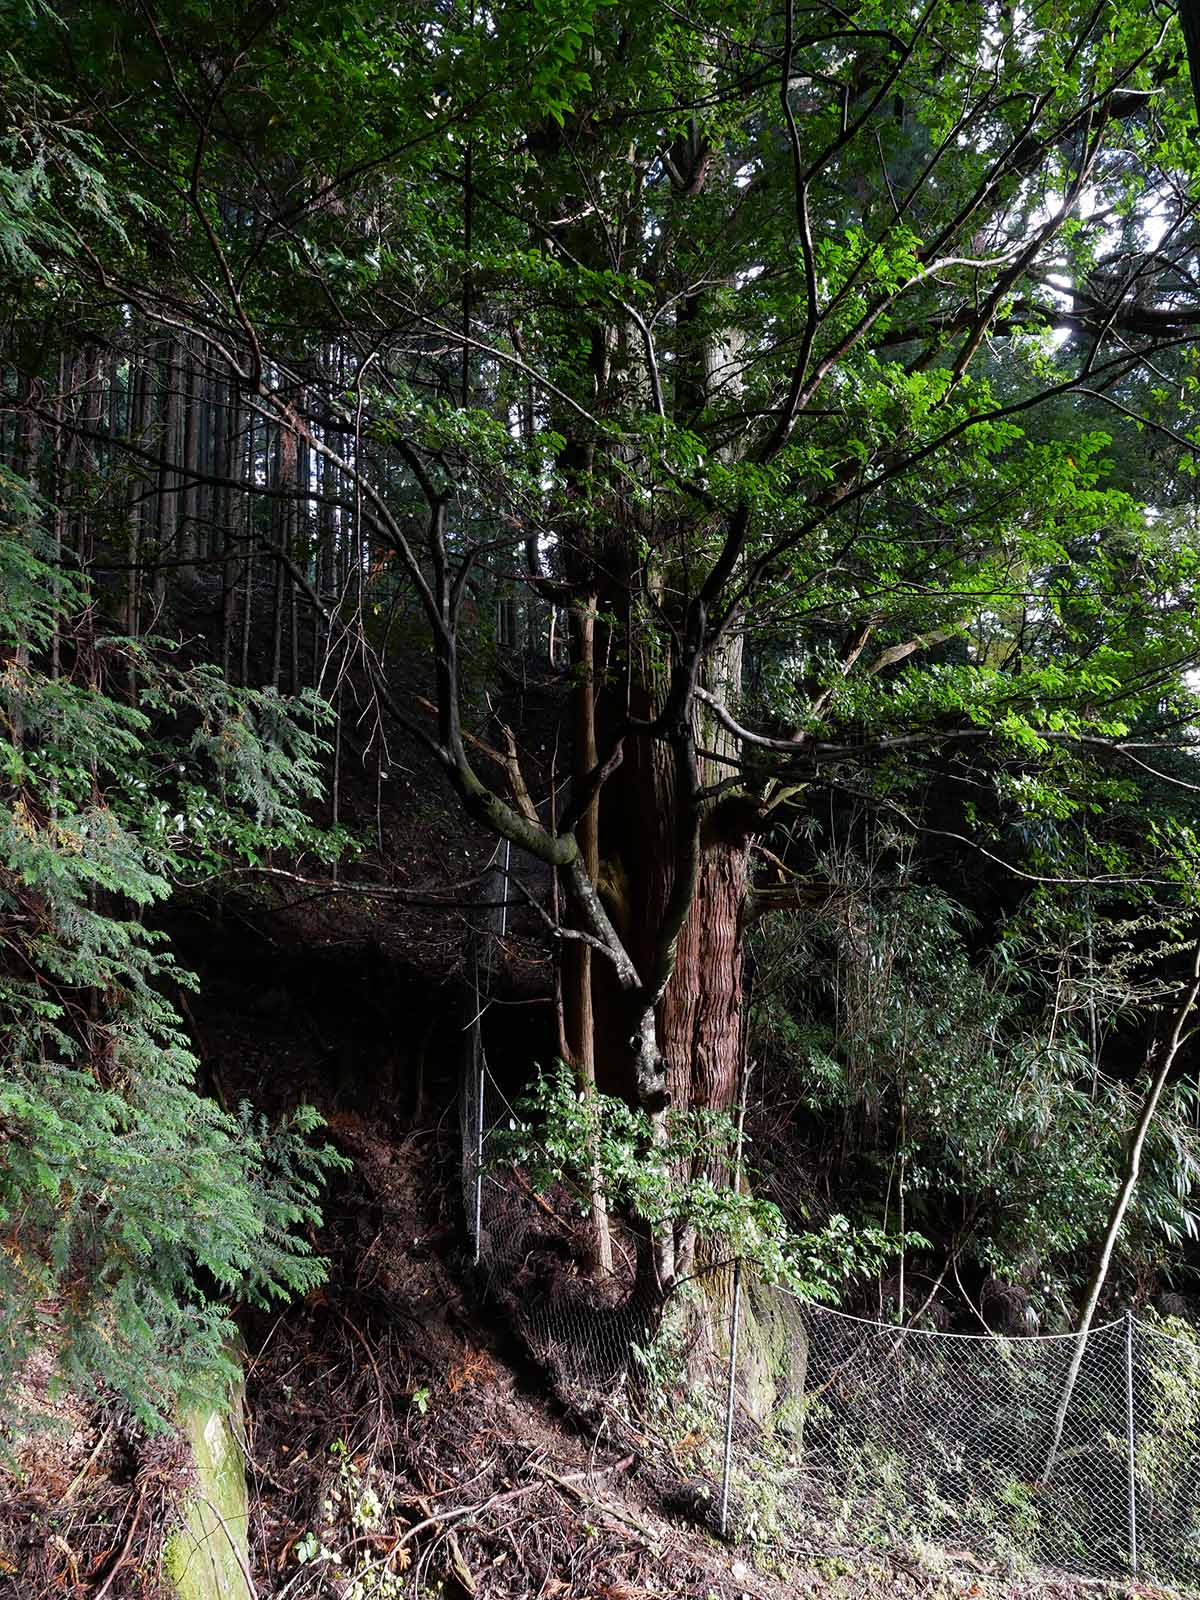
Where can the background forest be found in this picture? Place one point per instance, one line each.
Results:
(735, 469)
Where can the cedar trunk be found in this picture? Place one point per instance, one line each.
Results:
(699, 1019)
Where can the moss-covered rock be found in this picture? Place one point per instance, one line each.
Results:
(773, 1356)
(206, 1557)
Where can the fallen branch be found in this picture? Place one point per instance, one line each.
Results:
(123, 1553)
(570, 1486)
(379, 1389)
(237, 1554)
(505, 1497)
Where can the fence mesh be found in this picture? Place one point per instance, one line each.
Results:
(817, 1428)
(910, 1436)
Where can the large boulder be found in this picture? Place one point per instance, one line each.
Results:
(773, 1356)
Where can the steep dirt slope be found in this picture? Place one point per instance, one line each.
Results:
(399, 1436)
(395, 1423)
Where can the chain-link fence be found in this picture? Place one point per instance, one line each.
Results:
(812, 1429)
(895, 1436)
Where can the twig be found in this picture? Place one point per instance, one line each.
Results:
(69, 1492)
(123, 1553)
(542, 1204)
(557, 929)
(477, 1508)
(570, 1485)
(237, 1554)
(379, 1389)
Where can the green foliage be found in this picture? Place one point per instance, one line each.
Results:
(883, 388)
(968, 1083)
(652, 1182)
(134, 1211)
(1167, 1402)
(358, 1505)
(51, 171)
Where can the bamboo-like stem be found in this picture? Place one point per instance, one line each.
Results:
(1133, 1167)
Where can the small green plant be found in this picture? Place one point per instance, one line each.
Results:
(557, 1127)
(309, 1548)
(1024, 1517)
(355, 1506)
(764, 1483)
(1168, 1438)
(660, 1366)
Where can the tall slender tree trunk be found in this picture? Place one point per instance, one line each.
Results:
(89, 380)
(189, 531)
(169, 480)
(248, 569)
(224, 427)
(141, 514)
(578, 1009)
(279, 526)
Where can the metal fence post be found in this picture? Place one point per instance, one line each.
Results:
(1130, 1442)
(477, 1057)
(729, 1393)
(743, 1091)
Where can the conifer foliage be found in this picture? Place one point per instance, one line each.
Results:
(133, 1210)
